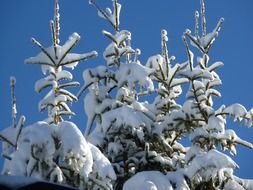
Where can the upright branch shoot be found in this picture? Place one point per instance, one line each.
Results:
(203, 17)
(52, 26)
(137, 54)
(196, 24)
(165, 52)
(13, 101)
(128, 56)
(189, 54)
(116, 14)
(57, 22)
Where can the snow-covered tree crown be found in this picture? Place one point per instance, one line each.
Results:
(52, 61)
(54, 149)
(140, 135)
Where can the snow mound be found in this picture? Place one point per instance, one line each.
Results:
(148, 180)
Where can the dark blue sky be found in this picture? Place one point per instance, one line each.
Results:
(21, 20)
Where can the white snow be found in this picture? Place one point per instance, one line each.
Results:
(216, 124)
(115, 50)
(49, 59)
(35, 142)
(101, 164)
(246, 183)
(178, 179)
(215, 65)
(178, 81)
(95, 103)
(74, 148)
(37, 146)
(43, 83)
(134, 73)
(111, 15)
(206, 40)
(93, 75)
(135, 120)
(156, 62)
(148, 180)
(209, 163)
(236, 110)
(233, 185)
(12, 133)
(50, 99)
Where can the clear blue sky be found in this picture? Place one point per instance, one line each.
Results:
(21, 20)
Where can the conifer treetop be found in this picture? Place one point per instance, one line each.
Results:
(10, 135)
(52, 60)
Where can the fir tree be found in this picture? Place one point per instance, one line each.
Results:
(124, 124)
(55, 149)
(203, 165)
(139, 136)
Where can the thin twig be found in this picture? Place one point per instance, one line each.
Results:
(116, 12)
(38, 63)
(93, 2)
(20, 125)
(188, 51)
(70, 84)
(217, 29)
(79, 59)
(68, 50)
(7, 157)
(7, 140)
(83, 88)
(53, 38)
(43, 50)
(196, 42)
(88, 128)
